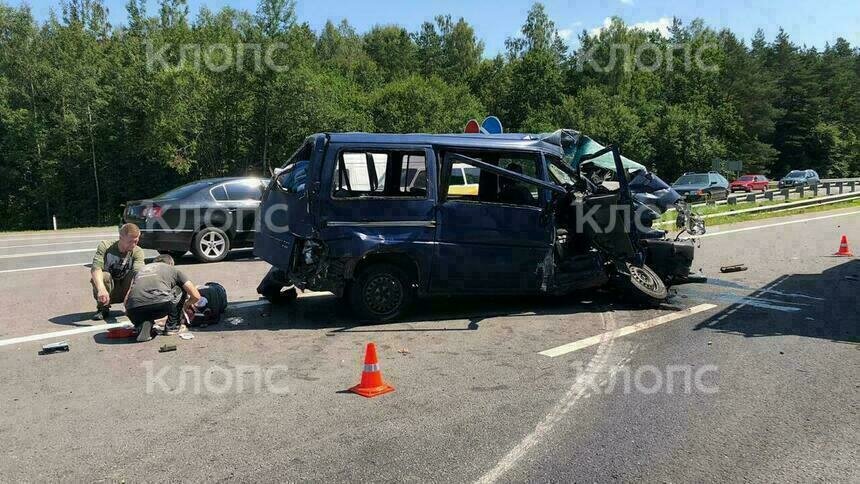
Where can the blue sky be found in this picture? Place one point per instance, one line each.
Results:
(810, 23)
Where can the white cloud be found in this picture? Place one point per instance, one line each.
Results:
(596, 31)
(627, 2)
(567, 34)
(661, 25)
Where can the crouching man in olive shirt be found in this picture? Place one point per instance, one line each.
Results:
(114, 266)
(155, 293)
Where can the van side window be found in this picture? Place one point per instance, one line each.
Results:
(483, 186)
(294, 173)
(380, 174)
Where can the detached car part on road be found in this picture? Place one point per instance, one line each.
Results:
(348, 214)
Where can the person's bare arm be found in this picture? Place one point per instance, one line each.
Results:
(97, 274)
(193, 294)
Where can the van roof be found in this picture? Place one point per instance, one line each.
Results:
(517, 141)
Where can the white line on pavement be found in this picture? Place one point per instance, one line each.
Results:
(39, 254)
(585, 343)
(40, 268)
(725, 232)
(50, 236)
(70, 242)
(121, 321)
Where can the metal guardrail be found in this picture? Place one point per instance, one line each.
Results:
(808, 202)
(825, 188)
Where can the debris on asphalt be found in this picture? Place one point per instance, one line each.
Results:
(733, 268)
(186, 336)
(709, 343)
(236, 321)
(853, 278)
(166, 348)
(58, 347)
(403, 351)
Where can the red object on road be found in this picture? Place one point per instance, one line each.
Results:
(750, 183)
(844, 251)
(121, 332)
(371, 377)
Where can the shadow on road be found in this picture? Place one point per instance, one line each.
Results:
(810, 305)
(428, 315)
(84, 319)
(238, 255)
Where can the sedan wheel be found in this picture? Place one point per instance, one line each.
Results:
(211, 244)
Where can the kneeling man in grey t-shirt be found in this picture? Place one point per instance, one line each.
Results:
(159, 290)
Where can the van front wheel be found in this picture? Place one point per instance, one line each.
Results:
(380, 293)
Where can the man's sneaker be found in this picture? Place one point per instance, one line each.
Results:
(101, 315)
(145, 332)
(182, 328)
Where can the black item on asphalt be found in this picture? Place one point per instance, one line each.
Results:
(59, 347)
(734, 268)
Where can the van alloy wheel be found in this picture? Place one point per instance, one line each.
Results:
(383, 293)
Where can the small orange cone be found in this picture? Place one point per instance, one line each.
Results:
(844, 251)
(371, 378)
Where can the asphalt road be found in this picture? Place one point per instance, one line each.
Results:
(757, 381)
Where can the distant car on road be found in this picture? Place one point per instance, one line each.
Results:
(800, 178)
(750, 183)
(207, 217)
(702, 186)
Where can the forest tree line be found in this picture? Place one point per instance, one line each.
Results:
(94, 114)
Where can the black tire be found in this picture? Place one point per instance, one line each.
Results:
(211, 244)
(647, 282)
(280, 295)
(381, 292)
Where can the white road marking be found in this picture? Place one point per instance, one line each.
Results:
(585, 381)
(745, 229)
(40, 254)
(47, 236)
(121, 321)
(40, 268)
(70, 242)
(585, 343)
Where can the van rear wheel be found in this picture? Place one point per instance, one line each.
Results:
(380, 293)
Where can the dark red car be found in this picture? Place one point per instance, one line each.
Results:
(750, 183)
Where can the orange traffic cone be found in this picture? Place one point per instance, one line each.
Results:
(371, 378)
(844, 251)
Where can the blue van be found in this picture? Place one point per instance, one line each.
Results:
(383, 218)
